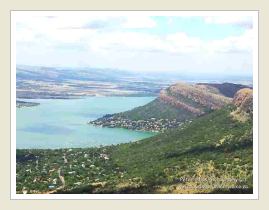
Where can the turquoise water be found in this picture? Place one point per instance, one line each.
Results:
(60, 123)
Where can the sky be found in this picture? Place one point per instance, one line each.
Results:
(182, 42)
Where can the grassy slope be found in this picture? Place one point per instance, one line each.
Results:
(212, 146)
(213, 139)
(157, 109)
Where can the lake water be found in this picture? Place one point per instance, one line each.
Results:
(62, 123)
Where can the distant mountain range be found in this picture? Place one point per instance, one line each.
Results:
(44, 82)
(49, 82)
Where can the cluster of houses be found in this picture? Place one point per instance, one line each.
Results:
(152, 124)
(53, 173)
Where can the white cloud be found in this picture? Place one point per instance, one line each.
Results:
(174, 43)
(127, 41)
(42, 22)
(180, 42)
(243, 43)
(139, 22)
(244, 21)
(114, 40)
(72, 40)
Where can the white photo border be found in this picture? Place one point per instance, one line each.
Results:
(255, 196)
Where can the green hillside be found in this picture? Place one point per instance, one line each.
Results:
(211, 154)
(157, 109)
(215, 145)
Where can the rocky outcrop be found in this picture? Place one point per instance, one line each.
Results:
(178, 104)
(243, 100)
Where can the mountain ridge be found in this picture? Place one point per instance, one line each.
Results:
(176, 104)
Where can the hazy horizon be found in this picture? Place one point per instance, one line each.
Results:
(160, 73)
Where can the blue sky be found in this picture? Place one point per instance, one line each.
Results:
(213, 43)
(194, 26)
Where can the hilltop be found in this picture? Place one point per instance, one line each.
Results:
(243, 100)
(174, 105)
(211, 154)
(226, 89)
